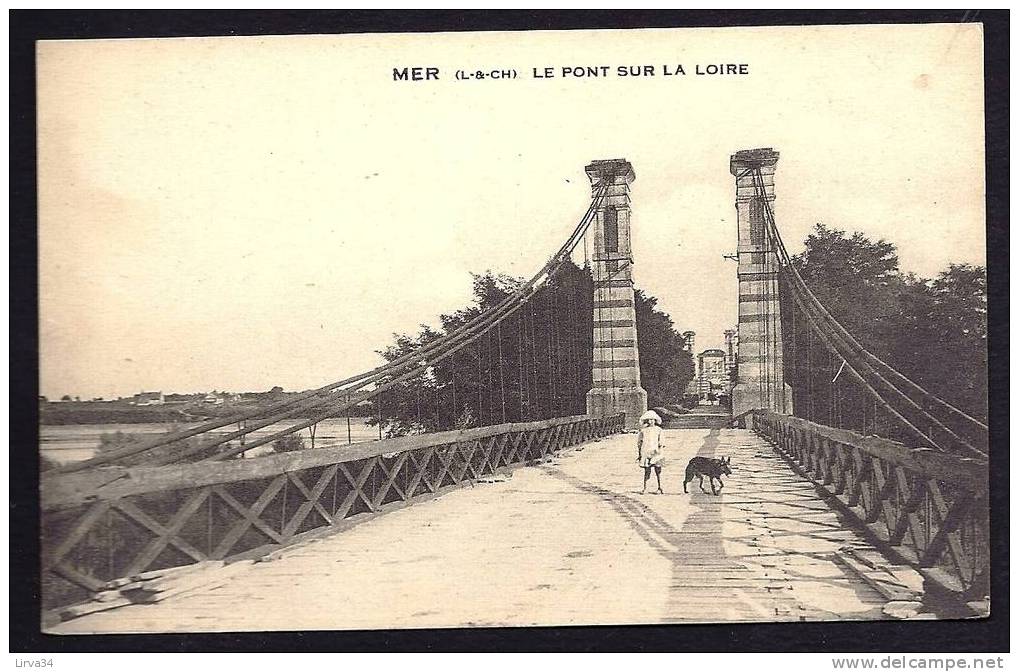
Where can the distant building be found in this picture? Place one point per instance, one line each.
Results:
(218, 398)
(688, 345)
(732, 355)
(730, 346)
(712, 374)
(148, 399)
(715, 370)
(688, 340)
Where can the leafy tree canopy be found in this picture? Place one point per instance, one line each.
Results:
(934, 331)
(535, 364)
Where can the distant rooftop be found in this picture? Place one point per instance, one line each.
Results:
(713, 352)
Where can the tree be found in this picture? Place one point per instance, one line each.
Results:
(531, 365)
(858, 281)
(666, 368)
(943, 337)
(535, 364)
(932, 331)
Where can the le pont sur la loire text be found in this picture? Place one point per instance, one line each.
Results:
(640, 70)
(426, 73)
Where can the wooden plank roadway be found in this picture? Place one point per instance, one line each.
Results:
(570, 542)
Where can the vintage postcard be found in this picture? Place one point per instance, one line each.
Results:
(540, 328)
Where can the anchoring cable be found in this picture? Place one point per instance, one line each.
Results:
(328, 394)
(548, 273)
(829, 328)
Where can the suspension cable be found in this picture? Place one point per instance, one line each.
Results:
(289, 407)
(477, 352)
(831, 340)
(511, 310)
(520, 369)
(832, 329)
(502, 383)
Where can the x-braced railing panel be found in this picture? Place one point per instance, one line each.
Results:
(114, 522)
(927, 508)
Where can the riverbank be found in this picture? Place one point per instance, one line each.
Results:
(73, 443)
(61, 413)
(98, 413)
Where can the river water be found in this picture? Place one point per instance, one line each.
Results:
(66, 444)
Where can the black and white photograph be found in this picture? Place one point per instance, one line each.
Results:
(502, 329)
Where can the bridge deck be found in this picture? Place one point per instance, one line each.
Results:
(571, 542)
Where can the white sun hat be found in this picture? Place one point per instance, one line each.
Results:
(651, 415)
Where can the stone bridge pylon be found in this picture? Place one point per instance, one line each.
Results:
(616, 361)
(760, 380)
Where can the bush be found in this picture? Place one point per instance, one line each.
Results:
(112, 441)
(288, 443)
(166, 453)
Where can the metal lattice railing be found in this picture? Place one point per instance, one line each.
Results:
(924, 507)
(115, 522)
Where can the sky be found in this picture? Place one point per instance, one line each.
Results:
(239, 213)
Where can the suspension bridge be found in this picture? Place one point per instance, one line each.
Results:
(510, 498)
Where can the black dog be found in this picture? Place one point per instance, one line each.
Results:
(705, 466)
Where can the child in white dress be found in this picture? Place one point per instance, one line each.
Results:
(651, 448)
